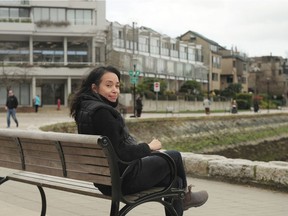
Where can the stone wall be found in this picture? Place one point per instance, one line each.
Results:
(272, 174)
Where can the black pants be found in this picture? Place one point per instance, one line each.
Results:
(156, 172)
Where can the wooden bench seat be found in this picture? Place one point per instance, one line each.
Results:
(73, 163)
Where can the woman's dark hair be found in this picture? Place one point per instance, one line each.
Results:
(93, 77)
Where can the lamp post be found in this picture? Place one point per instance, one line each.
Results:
(268, 91)
(134, 74)
(208, 86)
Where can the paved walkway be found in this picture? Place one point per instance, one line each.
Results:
(17, 199)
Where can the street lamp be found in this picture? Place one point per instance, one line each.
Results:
(134, 74)
(208, 85)
(268, 91)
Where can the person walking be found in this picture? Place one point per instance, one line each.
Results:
(11, 106)
(206, 104)
(37, 103)
(139, 105)
(94, 110)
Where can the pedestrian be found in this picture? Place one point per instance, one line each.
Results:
(139, 105)
(234, 107)
(37, 103)
(206, 104)
(11, 106)
(93, 108)
(256, 106)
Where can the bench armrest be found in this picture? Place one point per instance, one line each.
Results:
(163, 190)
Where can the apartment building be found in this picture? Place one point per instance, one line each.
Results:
(47, 46)
(234, 67)
(211, 57)
(154, 55)
(267, 76)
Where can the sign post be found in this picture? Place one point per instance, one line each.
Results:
(156, 89)
(134, 74)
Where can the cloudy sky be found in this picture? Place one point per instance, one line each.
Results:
(256, 27)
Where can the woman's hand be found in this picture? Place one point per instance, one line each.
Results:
(155, 145)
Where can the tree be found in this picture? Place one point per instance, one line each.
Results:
(147, 84)
(191, 87)
(232, 90)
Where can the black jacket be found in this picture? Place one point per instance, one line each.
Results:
(12, 102)
(96, 116)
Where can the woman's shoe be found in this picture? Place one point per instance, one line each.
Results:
(194, 199)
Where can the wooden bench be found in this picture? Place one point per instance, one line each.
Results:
(72, 163)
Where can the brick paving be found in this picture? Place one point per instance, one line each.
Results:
(224, 199)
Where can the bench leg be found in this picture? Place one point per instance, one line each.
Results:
(168, 206)
(114, 211)
(2, 180)
(43, 199)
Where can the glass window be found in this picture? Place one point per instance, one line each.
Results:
(45, 14)
(87, 16)
(24, 12)
(53, 14)
(78, 52)
(79, 17)
(16, 51)
(14, 12)
(71, 16)
(4, 12)
(48, 51)
(37, 14)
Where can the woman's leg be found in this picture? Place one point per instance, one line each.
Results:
(155, 171)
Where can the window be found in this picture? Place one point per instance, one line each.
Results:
(214, 76)
(120, 34)
(14, 51)
(14, 12)
(97, 54)
(78, 52)
(79, 17)
(48, 52)
(4, 12)
(51, 14)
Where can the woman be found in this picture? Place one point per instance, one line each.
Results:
(93, 109)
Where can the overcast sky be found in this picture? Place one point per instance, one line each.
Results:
(256, 27)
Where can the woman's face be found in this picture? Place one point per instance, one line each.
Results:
(109, 87)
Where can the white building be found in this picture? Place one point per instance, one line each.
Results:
(47, 46)
(154, 55)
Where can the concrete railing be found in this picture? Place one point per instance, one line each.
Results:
(273, 173)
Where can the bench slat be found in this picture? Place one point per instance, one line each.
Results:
(89, 169)
(105, 180)
(12, 151)
(86, 160)
(83, 151)
(11, 164)
(79, 187)
(10, 158)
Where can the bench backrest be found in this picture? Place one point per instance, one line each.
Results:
(81, 157)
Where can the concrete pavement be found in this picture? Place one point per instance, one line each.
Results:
(224, 199)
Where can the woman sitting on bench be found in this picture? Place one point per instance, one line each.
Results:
(93, 108)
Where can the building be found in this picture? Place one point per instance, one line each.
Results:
(225, 66)
(211, 57)
(154, 55)
(267, 76)
(46, 47)
(234, 69)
